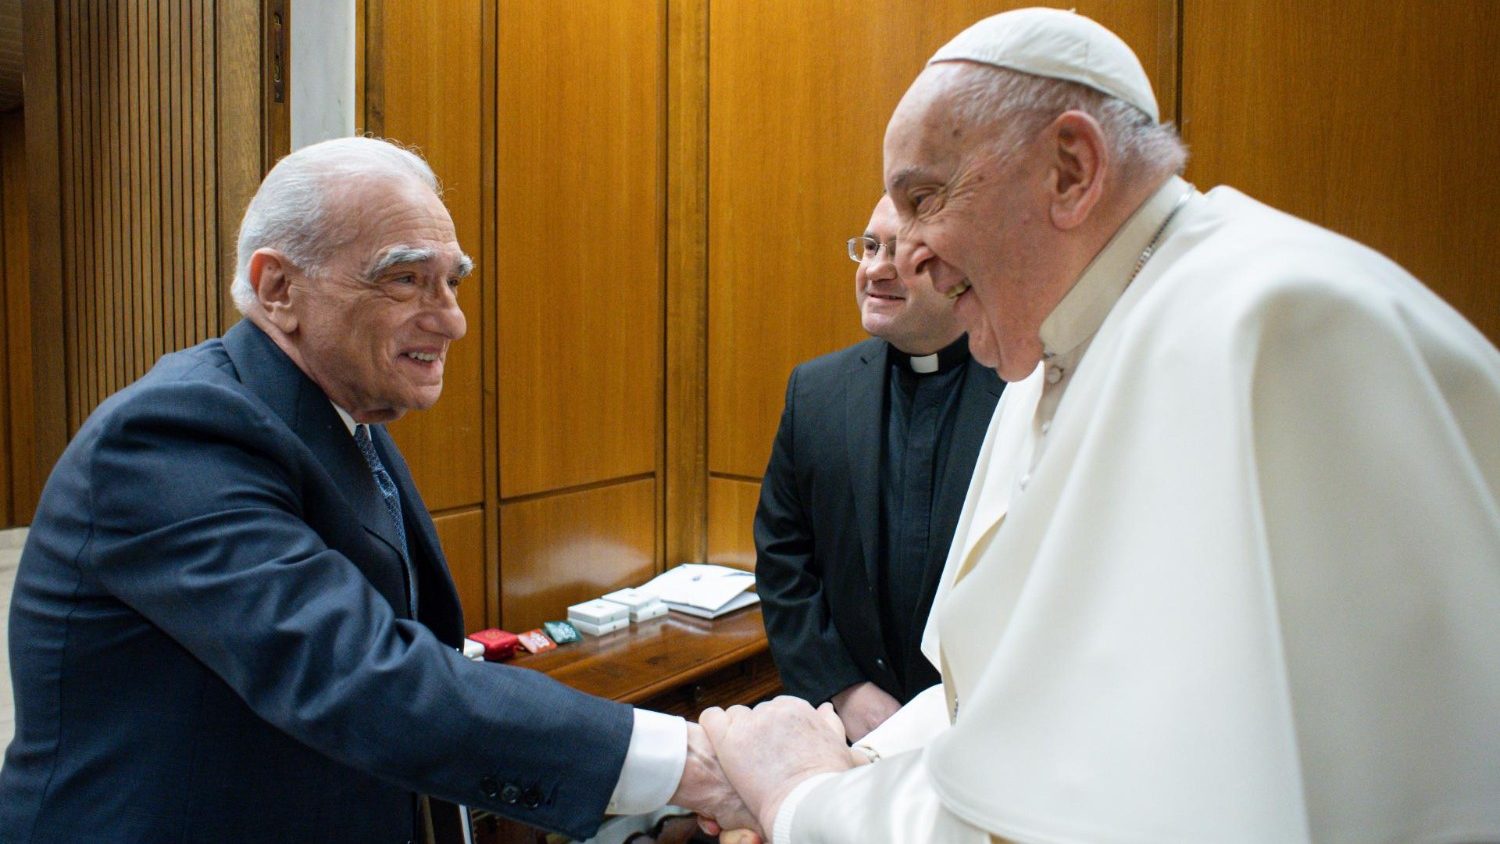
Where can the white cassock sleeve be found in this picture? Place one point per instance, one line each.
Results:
(911, 727)
(889, 802)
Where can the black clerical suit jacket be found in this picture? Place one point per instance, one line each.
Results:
(210, 636)
(818, 522)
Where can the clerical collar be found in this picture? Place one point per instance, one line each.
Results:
(952, 355)
(1080, 313)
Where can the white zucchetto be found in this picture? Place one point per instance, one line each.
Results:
(1059, 45)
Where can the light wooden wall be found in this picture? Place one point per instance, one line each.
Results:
(579, 200)
(794, 148)
(542, 460)
(1373, 119)
(423, 87)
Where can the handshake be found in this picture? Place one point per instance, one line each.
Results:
(742, 763)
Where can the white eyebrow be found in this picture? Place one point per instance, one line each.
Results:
(398, 255)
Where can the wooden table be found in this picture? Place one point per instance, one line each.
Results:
(677, 664)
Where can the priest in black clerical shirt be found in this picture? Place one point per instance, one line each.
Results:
(867, 476)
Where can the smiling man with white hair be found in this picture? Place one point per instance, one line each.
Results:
(1229, 567)
(233, 620)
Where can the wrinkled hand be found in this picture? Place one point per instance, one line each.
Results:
(706, 790)
(863, 707)
(767, 751)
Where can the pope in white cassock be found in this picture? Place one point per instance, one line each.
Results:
(1229, 567)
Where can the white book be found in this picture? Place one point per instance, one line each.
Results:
(705, 590)
(744, 599)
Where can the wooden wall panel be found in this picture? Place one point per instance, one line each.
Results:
(462, 537)
(430, 99)
(1362, 117)
(19, 486)
(579, 195)
(559, 550)
(44, 180)
(138, 164)
(137, 168)
(731, 522)
(685, 441)
(795, 168)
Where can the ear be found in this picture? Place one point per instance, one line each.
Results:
(270, 278)
(1080, 160)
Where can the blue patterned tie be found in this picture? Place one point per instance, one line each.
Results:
(392, 504)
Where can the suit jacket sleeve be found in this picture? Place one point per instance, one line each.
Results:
(203, 524)
(811, 657)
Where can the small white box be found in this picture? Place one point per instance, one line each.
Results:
(633, 598)
(598, 612)
(656, 609)
(599, 629)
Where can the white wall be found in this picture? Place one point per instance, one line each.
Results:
(322, 70)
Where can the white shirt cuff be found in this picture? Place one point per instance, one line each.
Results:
(781, 831)
(653, 763)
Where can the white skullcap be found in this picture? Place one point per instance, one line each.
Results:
(1058, 45)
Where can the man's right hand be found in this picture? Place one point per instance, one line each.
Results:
(863, 707)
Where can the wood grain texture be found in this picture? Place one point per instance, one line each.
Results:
(7, 313)
(1362, 117)
(490, 352)
(430, 93)
(685, 466)
(138, 165)
(579, 194)
(240, 159)
(650, 658)
(559, 550)
(21, 485)
(132, 197)
(48, 111)
(795, 167)
(731, 522)
(462, 537)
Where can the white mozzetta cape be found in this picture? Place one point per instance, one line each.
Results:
(1251, 589)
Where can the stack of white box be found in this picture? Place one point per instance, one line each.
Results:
(643, 604)
(598, 616)
(615, 610)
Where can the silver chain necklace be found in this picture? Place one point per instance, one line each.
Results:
(1151, 247)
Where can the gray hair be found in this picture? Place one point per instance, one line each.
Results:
(291, 210)
(1021, 104)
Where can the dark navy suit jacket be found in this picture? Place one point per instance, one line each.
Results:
(210, 638)
(818, 522)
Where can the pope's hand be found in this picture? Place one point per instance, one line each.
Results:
(767, 751)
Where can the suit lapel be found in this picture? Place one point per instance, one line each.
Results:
(864, 423)
(266, 370)
(438, 597)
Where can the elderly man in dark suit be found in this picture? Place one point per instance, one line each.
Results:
(866, 479)
(232, 619)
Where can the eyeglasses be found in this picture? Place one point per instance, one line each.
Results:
(865, 248)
